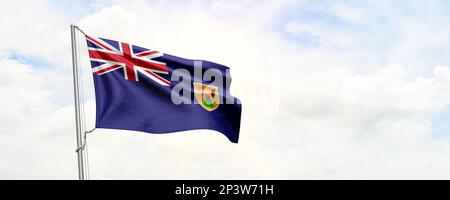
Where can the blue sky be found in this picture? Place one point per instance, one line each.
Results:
(352, 89)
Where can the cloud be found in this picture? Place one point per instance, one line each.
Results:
(35, 135)
(19, 83)
(387, 90)
(37, 30)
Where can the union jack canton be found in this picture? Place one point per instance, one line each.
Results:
(130, 58)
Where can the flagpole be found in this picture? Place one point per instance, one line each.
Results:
(82, 173)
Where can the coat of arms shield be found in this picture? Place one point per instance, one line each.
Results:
(207, 96)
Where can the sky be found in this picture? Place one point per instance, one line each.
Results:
(329, 89)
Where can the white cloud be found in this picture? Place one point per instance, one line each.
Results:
(23, 95)
(35, 29)
(387, 90)
(36, 136)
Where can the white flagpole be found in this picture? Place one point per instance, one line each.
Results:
(82, 171)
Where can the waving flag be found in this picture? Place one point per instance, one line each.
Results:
(139, 89)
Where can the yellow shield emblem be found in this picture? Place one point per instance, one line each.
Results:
(207, 96)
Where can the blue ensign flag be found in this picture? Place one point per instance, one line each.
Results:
(145, 90)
